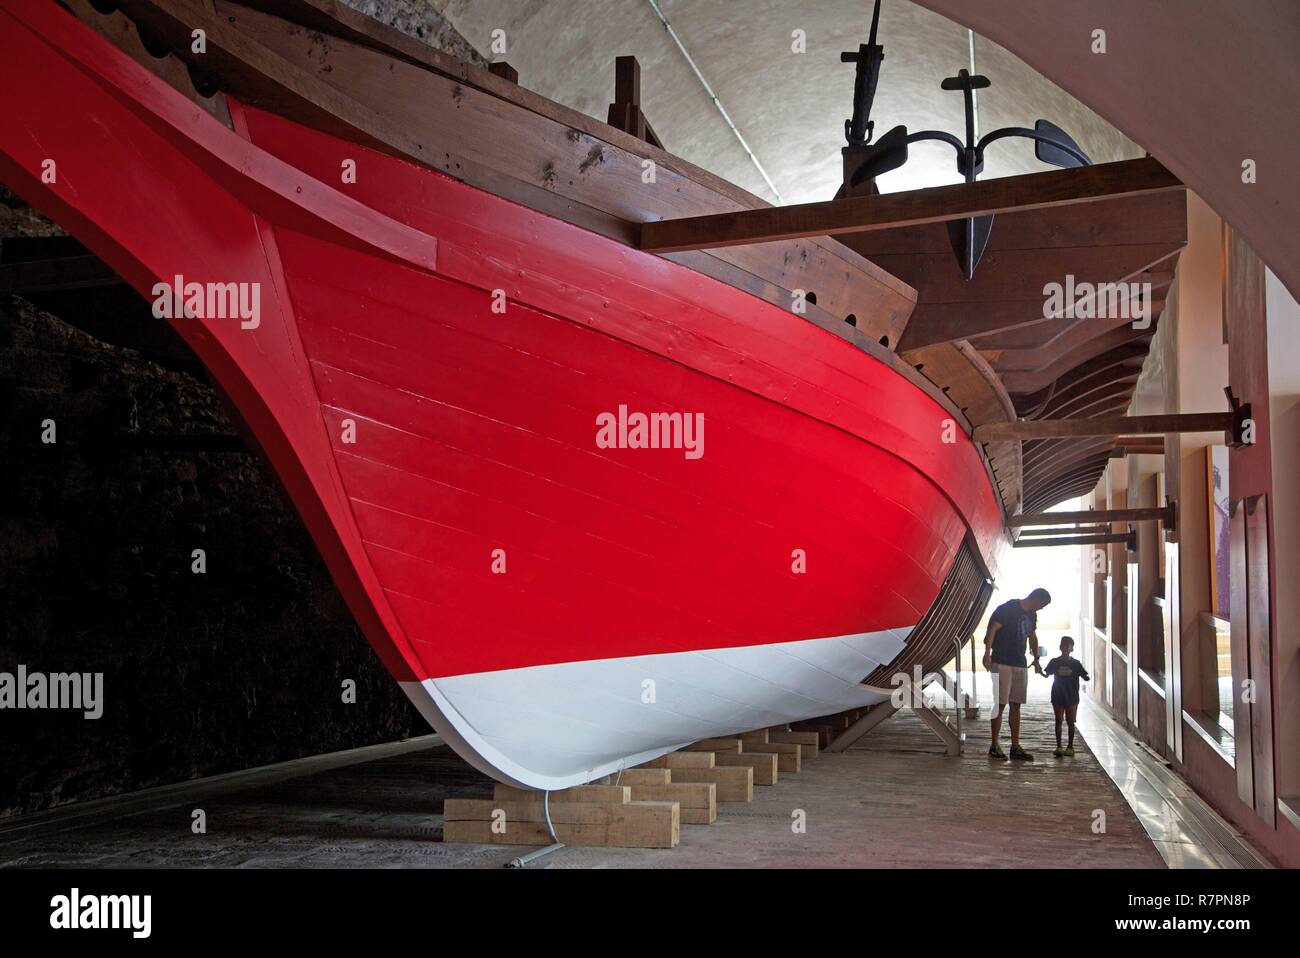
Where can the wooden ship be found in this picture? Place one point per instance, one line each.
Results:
(425, 291)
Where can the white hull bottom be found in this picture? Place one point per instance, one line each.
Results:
(553, 726)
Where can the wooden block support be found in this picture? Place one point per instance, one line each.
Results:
(615, 794)
(676, 760)
(787, 756)
(590, 823)
(824, 731)
(715, 745)
(640, 776)
(763, 764)
(734, 784)
(698, 800)
(808, 740)
(756, 737)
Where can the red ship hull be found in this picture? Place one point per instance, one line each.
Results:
(429, 372)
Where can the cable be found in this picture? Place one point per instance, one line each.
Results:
(716, 102)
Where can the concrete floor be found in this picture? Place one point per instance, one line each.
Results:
(895, 800)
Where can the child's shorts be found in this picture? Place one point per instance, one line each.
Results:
(1064, 697)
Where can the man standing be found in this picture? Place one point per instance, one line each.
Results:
(1012, 627)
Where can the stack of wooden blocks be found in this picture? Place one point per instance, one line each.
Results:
(642, 807)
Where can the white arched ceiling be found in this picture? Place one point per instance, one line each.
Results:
(789, 106)
(1203, 86)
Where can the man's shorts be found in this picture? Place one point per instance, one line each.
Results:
(1010, 683)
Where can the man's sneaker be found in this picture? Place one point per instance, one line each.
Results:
(995, 751)
(1059, 752)
(1069, 751)
(1020, 755)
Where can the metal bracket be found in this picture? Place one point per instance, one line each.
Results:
(1241, 420)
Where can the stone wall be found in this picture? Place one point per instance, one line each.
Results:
(419, 18)
(236, 667)
(240, 666)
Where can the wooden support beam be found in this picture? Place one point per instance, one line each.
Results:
(1129, 538)
(862, 725)
(1066, 531)
(504, 70)
(625, 112)
(1141, 441)
(937, 204)
(1163, 513)
(1105, 426)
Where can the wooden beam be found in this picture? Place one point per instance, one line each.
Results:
(625, 112)
(1134, 441)
(504, 70)
(1163, 513)
(1126, 537)
(1105, 426)
(1065, 531)
(937, 204)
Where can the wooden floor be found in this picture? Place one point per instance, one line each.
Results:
(893, 801)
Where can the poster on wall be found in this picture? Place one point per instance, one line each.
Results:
(1216, 476)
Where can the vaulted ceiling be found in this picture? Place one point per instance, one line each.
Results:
(789, 107)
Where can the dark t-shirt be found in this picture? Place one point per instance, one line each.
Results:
(1067, 672)
(1009, 642)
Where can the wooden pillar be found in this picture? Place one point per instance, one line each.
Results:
(1250, 481)
(625, 112)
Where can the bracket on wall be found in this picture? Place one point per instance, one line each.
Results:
(1243, 426)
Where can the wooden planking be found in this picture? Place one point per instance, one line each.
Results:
(122, 33)
(355, 91)
(854, 214)
(953, 614)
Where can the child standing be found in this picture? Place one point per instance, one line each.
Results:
(1065, 672)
